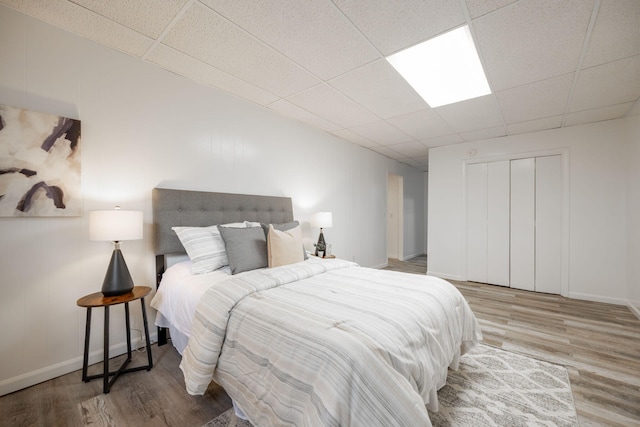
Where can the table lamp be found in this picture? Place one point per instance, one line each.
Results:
(321, 220)
(115, 226)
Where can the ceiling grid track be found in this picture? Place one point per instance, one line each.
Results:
(168, 28)
(583, 52)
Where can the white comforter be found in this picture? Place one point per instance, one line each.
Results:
(329, 344)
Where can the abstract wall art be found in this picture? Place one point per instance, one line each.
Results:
(39, 164)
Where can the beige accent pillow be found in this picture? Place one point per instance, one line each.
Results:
(283, 247)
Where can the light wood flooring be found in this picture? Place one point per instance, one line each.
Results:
(598, 343)
(154, 398)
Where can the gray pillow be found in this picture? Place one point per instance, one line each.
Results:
(280, 227)
(283, 227)
(246, 248)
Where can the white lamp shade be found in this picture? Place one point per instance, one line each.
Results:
(115, 225)
(322, 220)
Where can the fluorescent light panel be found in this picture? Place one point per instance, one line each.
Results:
(443, 70)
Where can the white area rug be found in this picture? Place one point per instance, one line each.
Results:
(493, 387)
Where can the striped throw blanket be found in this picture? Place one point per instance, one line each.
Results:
(329, 344)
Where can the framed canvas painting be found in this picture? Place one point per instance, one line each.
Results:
(39, 164)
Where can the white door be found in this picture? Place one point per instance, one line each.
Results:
(476, 189)
(498, 181)
(548, 224)
(522, 251)
(514, 223)
(487, 187)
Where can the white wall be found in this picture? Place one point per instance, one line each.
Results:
(144, 127)
(426, 208)
(597, 176)
(633, 212)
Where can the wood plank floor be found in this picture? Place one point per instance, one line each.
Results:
(154, 398)
(599, 343)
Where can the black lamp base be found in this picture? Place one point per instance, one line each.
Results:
(321, 246)
(118, 280)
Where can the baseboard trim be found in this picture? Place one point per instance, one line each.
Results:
(408, 257)
(49, 372)
(634, 306)
(597, 298)
(383, 265)
(443, 275)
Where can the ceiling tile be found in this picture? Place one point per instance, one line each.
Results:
(422, 124)
(203, 34)
(422, 159)
(381, 132)
(635, 110)
(535, 125)
(536, 100)
(484, 133)
(288, 109)
(598, 114)
(472, 114)
(532, 40)
(410, 149)
(412, 162)
(386, 151)
(392, 25)
(616, 34)
(315, 34)
(149, 17)
(191, 68)
(326, 102)
(355, 138)
(379, 88)
(78, 20)
(443, 140)
(482, 7)
(609, 84)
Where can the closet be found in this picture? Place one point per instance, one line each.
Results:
(514, 223)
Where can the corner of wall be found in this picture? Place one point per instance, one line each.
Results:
(634, 306)
(633, 211)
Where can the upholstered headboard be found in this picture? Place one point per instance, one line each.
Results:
(173, 208)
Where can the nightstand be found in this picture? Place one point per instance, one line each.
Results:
(99, 300)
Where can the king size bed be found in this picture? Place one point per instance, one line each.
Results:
(306, 341)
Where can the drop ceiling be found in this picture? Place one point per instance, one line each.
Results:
(549, 63)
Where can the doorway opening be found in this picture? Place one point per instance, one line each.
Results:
(395, 223)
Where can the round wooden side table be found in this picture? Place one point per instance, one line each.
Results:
(97, 299)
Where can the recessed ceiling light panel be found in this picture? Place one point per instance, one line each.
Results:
(443, 70)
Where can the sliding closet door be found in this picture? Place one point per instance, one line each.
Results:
(548, 224)
(514, 223)
(476, 183)
(523, 224)
(498, 223)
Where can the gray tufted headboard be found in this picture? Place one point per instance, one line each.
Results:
(200, 208)
(173, 208)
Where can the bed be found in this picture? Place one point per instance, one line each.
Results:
(316, 342)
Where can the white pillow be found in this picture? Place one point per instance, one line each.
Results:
(205, 246)
(283, 247)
